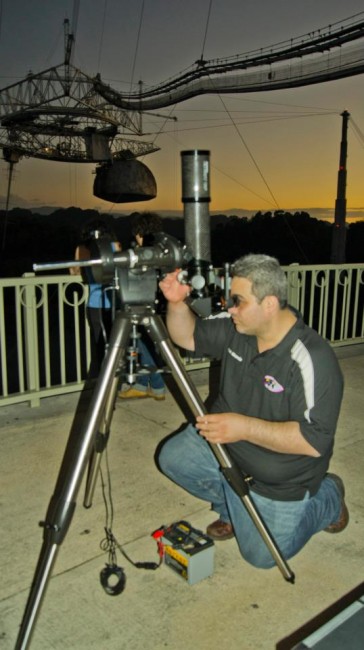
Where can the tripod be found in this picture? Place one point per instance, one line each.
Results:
(85, 446)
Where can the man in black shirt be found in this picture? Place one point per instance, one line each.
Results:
(277, 408)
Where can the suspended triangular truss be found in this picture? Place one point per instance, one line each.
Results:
(59, 115)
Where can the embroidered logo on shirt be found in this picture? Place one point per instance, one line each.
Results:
(233, 354)
(272, 384)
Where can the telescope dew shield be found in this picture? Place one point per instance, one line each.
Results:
(196, 199)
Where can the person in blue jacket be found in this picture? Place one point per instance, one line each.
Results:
(99, 309)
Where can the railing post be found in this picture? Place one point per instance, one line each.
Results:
(29, 304)
(294, 285)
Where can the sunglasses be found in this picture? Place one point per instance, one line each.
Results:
(234, 301)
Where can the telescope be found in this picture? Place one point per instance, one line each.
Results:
(133, 269)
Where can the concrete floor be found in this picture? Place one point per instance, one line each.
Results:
(237, 608)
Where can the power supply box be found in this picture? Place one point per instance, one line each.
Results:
(188, 551)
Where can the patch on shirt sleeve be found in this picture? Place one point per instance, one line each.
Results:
(271, 384)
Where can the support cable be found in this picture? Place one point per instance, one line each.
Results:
(8, 192)
(358, 132)
(102, 36)
(249, 152)
(262, 177)
(75, 14)
(206, 28)
(137, 46)
(1, 17)
(161, 130)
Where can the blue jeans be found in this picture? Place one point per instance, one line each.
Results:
(155, 379)
(187, 459)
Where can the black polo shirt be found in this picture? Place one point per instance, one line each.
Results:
(298, 380)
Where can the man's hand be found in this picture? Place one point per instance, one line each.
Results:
(221, 428)
(172, 289)
(180, 319)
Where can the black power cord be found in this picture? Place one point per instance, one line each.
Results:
(112, 577)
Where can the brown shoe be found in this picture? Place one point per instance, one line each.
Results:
(133, 393)
(220, 530)
(158, 396)
(343, 520)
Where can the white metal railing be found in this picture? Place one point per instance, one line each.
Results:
(44, 337)
(45, 340)
(331, 299)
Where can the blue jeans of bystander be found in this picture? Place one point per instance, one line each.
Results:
(155, 379)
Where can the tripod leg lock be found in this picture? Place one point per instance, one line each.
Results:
(58, 519)
(101, 441)
(236, 480)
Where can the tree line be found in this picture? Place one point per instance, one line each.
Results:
(29, 238)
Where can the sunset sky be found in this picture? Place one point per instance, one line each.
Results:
(269, 150)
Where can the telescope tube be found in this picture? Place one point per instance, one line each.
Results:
(196, 199)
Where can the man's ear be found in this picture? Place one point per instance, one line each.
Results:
(271, 303)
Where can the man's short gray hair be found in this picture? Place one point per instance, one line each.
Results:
(265, 274)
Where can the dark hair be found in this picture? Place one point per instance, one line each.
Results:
(266, 275)
(96, 229)
(146, 224)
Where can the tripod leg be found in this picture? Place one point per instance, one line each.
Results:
(101, 441)
(63, 501)
(159, 335)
